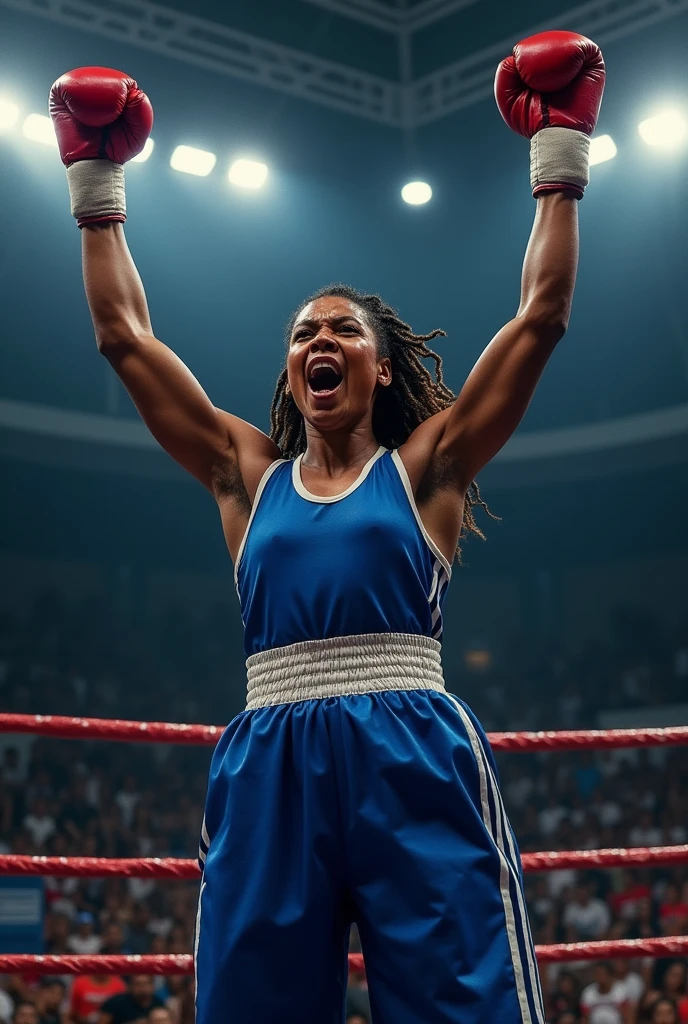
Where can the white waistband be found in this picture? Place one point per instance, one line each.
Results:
(343, 666)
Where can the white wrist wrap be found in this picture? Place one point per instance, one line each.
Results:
(96, 189)
(559, 156)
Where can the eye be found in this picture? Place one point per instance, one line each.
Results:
(301, 335)
(349, 327)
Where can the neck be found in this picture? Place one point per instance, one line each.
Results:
(336, 452)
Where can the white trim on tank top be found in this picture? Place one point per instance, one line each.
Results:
(254, 508)
(403, 475)
(329, 499)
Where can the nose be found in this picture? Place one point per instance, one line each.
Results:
(322, 343)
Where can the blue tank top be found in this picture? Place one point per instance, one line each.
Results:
(310, 568)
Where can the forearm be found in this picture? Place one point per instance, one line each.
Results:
(114, 290)
(551, 261)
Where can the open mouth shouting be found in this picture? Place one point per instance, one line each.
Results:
(324, 376)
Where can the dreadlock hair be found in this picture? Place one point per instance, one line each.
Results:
(412, 397)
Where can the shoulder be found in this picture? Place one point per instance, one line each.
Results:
(113, 1002)
(243, 433)
(589, 994)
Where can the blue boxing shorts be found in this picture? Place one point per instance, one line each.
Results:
(355, 788)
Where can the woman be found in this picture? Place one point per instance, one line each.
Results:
(566, 995)
(670, 983)
(664, 1011)
(353, 788)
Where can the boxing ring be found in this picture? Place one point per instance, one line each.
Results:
(173, 868)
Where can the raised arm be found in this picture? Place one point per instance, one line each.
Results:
(172, 404)
(102, 119)
(500, 386)
(549, 90)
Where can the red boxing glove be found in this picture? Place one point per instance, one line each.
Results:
(101, 119)
(553, 81)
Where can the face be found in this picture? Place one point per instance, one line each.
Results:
(160, 1015)
(664, 1013)
(333, 365)
(52, 996)
(675, 978)
(603, 976)
(142, 988)
(113, 936)
(25, 1014)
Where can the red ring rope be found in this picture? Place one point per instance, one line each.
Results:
(165, 732)
(169, 732)
(183, 868)
(167, 963)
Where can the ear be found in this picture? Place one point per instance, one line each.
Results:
(384, 372)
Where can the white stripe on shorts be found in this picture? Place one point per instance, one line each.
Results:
(506, 872)
(197, 938)
(500, 811)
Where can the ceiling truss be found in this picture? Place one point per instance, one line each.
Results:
(403, 103)
(470, 80)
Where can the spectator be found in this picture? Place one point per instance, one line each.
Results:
(50, 1000)
(127, 798)
(40, 822)
(137, 1002)
(140, 937)
(89, 993)
(635, 986)
(605, 1001)
(159, 1015)
(586, 917)
(25, 1013)
(625, 902)
(673, 912)
(669, 983)
(551, 816)
(587, 775)
(6, 1007)
(13, 768)
(566, 995)
(112, 941)
(645, 833)
(664, 1011)
(84, 940)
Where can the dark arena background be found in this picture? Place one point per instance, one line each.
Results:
(117, 599)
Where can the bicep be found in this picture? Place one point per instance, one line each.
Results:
(497, 393)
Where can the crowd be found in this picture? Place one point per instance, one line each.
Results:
(117, 800)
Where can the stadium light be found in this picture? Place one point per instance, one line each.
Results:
(602, 148)
(193, 161)
(415, 193)
(9, 115)
(666, 131)
(248, 174)
(39, 128)
(145, 153)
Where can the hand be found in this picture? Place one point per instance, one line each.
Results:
(101, 119)
(99, 113)
(553, 80)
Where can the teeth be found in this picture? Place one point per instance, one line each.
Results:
(321, 366)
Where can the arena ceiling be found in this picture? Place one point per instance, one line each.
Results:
(404, 63)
